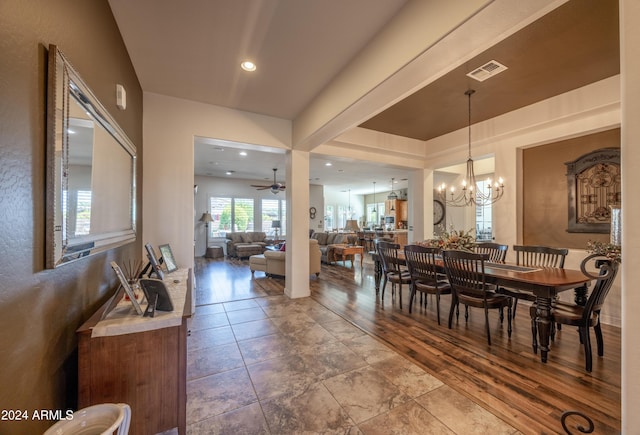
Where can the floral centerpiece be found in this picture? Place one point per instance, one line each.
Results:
(453, 239)
(609, 250)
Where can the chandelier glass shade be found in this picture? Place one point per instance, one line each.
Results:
(472, 192)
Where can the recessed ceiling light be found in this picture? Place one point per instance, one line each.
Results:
(243, 153)
(247, 65)
(229, 172)
(328, 164)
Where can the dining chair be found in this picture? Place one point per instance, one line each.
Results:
(497, 252)
(533, 256)
(584, 317)
(465, 271)
(421, 262)
(392, 269)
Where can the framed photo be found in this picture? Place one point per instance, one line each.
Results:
(126, 287)
(156, 293)
(153, 261)
(167, 258)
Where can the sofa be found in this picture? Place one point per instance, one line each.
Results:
(244, 245)
(326, 240)
(273, 262)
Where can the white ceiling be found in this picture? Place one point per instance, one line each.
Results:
(193, 50)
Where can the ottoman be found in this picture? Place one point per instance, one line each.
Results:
(257, 262)
(214, 252)
(244, 251)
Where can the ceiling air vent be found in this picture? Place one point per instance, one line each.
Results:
(487, 70)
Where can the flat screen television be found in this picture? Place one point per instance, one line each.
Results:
(153, 261)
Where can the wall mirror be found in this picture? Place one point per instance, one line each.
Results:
(91, 171)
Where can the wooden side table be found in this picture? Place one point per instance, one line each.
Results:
(349, 251)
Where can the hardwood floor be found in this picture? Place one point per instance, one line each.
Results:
(506, 378)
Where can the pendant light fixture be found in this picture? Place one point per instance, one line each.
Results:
(393, 194)
(375, 204)
(469, 195)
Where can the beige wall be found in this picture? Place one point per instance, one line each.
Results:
(545, 205)
(41, 309)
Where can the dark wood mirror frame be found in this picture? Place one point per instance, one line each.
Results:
(91, 171)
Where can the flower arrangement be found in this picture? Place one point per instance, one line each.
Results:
(453, 239)
(609, 250)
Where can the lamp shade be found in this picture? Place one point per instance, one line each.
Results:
(276, 224)
(351, 225)
(206, 217)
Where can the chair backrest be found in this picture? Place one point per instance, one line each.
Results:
(606, 276)
(541, 256)
(388, 253)
(465, 271)
(496, 252)
(421, 262)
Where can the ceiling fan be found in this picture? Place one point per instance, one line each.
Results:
(275, 187)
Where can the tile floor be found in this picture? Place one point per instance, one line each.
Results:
(273, 365)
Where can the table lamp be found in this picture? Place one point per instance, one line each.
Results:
(276, 225)
(351, 225)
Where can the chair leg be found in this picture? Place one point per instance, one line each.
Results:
(384, 285)
(598, 330)
(466, 312)
(534, 334)
(437, 306)
(584, 334)
(412, 296)
(515, 306)
(400, 292)
(454, 304)
(509, 318)
(486, 325)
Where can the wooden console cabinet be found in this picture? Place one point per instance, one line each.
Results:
(146, 369)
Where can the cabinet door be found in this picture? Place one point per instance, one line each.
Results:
(403, 210)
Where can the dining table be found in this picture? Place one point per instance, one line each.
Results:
(543, 282)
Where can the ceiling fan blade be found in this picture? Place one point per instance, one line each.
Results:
(261, 187)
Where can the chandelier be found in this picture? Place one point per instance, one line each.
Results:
(472, 193)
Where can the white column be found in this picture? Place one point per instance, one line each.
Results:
(630, 91)
(420, 205)
(297, 257)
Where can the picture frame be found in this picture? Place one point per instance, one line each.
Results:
(168, 258)
(124, 284)
(153, 261)
(156, 293)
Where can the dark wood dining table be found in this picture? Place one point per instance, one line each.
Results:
(545, 283)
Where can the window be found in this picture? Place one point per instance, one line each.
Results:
(83, 213)
(227, 210)
(79, 206)
(484, 232)
(272, 210)
(220, 209)
(328, 218)
(374, 218)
